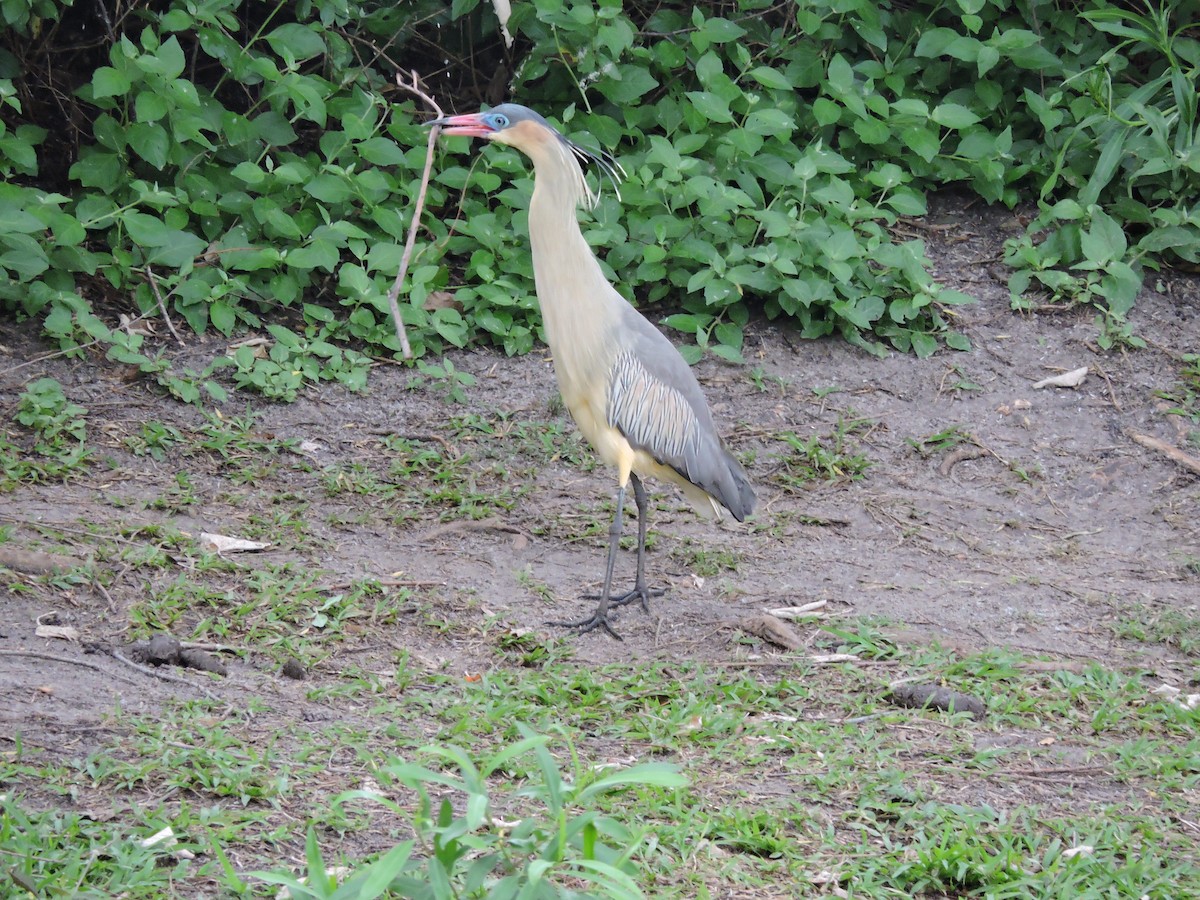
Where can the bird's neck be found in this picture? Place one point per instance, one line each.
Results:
(577, 301)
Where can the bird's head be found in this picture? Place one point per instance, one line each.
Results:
(509, 124)
(522, 128)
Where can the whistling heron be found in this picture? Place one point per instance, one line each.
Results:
(628, 389)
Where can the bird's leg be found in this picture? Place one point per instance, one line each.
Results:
(640, 591)
(599, 619)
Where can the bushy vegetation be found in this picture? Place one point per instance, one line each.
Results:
(253, 165)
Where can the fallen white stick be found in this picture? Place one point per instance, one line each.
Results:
(798, 612)
(1071, 379)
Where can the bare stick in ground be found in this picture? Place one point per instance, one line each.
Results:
(162, 306)
(413, 87)
(164, 676)
(66, 660)
(1170, 451)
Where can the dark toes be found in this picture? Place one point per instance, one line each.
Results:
(590, 624)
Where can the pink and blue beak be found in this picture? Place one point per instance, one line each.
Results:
(472, 125)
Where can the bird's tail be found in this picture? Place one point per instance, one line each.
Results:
(723, 485)
(735, 491)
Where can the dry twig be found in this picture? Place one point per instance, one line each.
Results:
(53, 657)
(961, 455)
(162, 306)
(1168, 450)
(413, 88)
(165, 676)
(489, 524)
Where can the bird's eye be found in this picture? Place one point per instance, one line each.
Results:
(500, 121)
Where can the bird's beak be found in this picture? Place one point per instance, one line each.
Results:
(468, 126)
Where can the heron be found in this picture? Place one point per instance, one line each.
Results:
(631, 394)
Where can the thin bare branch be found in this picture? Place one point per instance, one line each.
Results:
(413, 87)
(162, 306)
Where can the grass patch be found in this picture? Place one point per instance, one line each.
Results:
(659, 778)
(833, 458)
(665, 777)
(1176, 628)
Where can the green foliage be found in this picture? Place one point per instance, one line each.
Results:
(57, 431)
(1123, 136)
(450, 380)
(236, 165)
(239, 164)
(769, 154)
(1185, 397)
(474, 853)
(833, 458)
(55, 421)
(60, 852)
(291, 361)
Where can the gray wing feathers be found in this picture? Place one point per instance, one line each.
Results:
(654, 400)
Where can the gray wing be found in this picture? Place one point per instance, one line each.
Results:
(655, 402)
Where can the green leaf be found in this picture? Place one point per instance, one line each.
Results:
(150, 106)
(728, 353)
(935, 41)
(108, 82)
(274, 128)
(148, 231)
(1120, 286)
(1104, 241)
(908, 203)
(921, 141)
(629, 84)
(329, 188)
(18, 220)
(721, 31)
(150, 142)
(222, 316)
(840, 76)
(295, 42)
(826, 111)
(381, 151)
(685, 322)
(957, 341)
(771, 78)
(986, 59)
(872, 131)
(842, 244)
(1106, 166)
(728, 333)
(249, 173)
(862, 314)
(1067, 210)
(25, 257)
(770, 122)
(167, 60)
(923, 345)
(317, 255)
(953, 115)
(712, 107)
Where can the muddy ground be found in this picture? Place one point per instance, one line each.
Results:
(1043, 527)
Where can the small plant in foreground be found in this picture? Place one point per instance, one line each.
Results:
(448, 380)
(54, 420)
(59, 431)
(827, 459)
(475, 853)
(941, 441)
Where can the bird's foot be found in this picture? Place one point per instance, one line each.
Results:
(591, 623)
(642, 593)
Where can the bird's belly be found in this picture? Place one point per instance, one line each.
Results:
(613, 448)
(610, 445)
